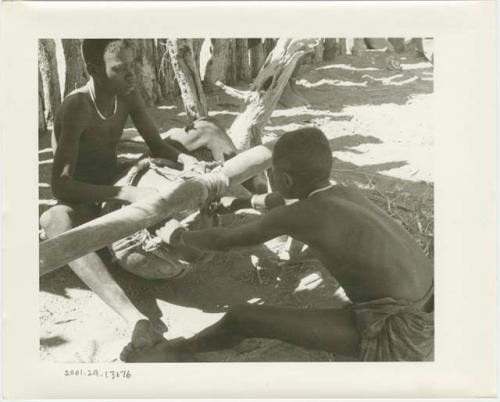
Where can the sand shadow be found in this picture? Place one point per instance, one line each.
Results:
(52, 342)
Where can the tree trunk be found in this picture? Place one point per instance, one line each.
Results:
(330, 49)
(318, 52)
(231, 75)
(47, 63)
(358, 47)
(398, 44)
(76, 74)
(424, 47)
(169, 87)
(42, 126)
(188, 77)
(145, 70)
(181, 199)
(257, 57)
(197, 44)
(266, 91)
(216, 68)
(342, 46)
(378, 43)
(243, 59)
(268, 45)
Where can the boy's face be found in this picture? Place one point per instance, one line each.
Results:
(116, 74)
(283, 181)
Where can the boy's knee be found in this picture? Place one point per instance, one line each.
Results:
(57, 219)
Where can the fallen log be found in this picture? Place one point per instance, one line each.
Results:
(266, 91)
(178, 201)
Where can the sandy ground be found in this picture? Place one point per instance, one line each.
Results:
(379, 123)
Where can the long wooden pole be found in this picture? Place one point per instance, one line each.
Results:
(186, 196)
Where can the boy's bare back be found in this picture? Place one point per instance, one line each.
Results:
(370, 254)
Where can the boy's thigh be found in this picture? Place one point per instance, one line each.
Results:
(333, 330)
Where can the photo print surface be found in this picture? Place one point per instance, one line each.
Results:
(236, 200)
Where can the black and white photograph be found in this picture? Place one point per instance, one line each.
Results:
(236, 199)
(267, 200)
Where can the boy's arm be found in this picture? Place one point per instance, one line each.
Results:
(269, 226)
(259, 202)
(148, 130)
(74, 120)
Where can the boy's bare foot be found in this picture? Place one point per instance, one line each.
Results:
(144, 335)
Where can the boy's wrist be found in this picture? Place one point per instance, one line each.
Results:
(258, 202)
(261, 202)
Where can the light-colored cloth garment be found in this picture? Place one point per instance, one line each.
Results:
(396, 330)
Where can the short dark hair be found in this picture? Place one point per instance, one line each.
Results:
(305, 154)
(93, 50)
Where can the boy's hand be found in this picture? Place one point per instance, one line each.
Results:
(171, 232)
(187, 161)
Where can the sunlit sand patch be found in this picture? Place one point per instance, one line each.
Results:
(404, 82)
(43, 185)
(222, 113)
(335, 83)
(416, 66)
(304, 110)
(341, 296)
(427, 79)
(47, 202)
(391, 159)
(309, 282)
(286, 127)
(390, 80)
(45, 150)
(255, 300)
(130, 155)
(131, 134)
(347, 67)
(167, 107)
(79, 335)
(185, 321)
(46, 162)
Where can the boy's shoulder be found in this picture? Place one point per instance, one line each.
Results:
(75, 104)
(292, 212)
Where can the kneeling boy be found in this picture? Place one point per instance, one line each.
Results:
(380, 266)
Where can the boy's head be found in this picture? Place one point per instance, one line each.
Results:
(302, 160)
(110, 63)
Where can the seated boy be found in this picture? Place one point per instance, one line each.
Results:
(381, 268)
(87, 128)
